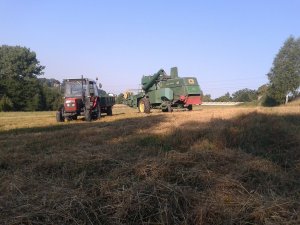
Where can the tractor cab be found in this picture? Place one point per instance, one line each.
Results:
(80, 87)
(81, 98)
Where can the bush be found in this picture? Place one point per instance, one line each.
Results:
(269, 101)
(6, 104)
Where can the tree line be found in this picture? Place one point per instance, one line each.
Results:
(22, 90)
(20, 87)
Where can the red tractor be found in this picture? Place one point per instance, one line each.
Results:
(82, 98)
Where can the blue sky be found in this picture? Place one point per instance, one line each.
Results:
(227, 45)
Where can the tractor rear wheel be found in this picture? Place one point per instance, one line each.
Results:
(98, 112)
(190, 107)
(144, 105)
(88, 116)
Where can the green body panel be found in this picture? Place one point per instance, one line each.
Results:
(190, 90)
(149, 81)
(182, 86)
(160, 95)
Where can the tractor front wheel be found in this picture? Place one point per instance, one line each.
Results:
(59, 115)
(144, 105)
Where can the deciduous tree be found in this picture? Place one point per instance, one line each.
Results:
(19, 69)
(225, 98)
(244, 95)
(120, 98)
(284, 75)
(206, 98)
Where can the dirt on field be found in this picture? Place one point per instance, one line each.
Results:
(214, 165)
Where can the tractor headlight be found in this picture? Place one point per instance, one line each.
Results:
(70, 103)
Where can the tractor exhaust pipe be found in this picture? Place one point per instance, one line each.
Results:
(82, 94)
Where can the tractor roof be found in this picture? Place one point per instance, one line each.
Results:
(76, 80)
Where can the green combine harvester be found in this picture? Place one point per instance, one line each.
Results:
(165, 92)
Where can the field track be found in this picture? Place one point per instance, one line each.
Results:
(16, 120)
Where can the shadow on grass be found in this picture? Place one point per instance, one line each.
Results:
(273, 137)
(239, 171)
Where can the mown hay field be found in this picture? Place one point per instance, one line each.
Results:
(214, 165)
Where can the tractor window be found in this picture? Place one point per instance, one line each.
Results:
(91, 88)
(74, 89)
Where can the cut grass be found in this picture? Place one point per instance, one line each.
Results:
(230, 165)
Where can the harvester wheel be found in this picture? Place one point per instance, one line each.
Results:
(109, 111)
(190, 107)
(169, 108)
(144, 105)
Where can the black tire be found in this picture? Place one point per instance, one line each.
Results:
(144, 105)
(98, 116)
(59, 116)
(109, 111)
(190, 107)
(169, 108)
(88, 116)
